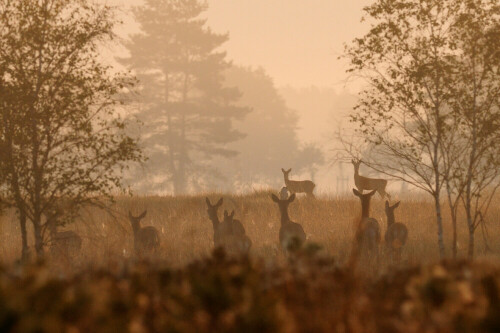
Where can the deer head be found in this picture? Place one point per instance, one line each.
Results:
(212, 209)
(135, 220)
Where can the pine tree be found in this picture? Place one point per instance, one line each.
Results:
(186, 110)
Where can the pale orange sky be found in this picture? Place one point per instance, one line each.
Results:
(296, 41)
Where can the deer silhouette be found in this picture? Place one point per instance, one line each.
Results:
(291, 235)
(146, 239)
(230, 233)
(368, 231)
(368, 184)
(298, 186)
(396, 234)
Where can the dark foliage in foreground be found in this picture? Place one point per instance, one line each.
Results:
(226, 295)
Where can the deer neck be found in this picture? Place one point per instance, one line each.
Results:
(365, 209)
(287, 179)
(136, 226)
(285, 218)
(390, 218)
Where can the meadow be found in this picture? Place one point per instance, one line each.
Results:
(187, 286)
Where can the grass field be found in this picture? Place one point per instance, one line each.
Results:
(186, 287)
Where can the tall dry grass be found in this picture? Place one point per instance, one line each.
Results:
(187, 234)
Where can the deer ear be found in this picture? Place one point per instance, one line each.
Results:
(396, 205)
(372, 193)
(283, 170)
(208, 202)
(219, 203)
(275, 198)
(289, 170)
(232, 214)
(356, 192)
(292, 197)
(225, 214)
(143, 214)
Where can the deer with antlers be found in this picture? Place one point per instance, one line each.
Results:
(298, 186)
(368, 184)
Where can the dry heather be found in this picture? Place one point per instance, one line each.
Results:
(188, 287)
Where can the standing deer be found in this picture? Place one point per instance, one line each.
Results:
(230, 233)
(396, 234)
(292, 235)
(298, 186)
(63, 243)
(236, 241)
(368, 184)
(146, 239)
(368, 231)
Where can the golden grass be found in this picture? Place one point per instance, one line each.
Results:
(187, 234)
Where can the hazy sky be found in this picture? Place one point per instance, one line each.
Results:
(296, 41)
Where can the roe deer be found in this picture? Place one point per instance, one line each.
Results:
(365, 183)
(230, 233)
(396, 234)
(63, 243)
(146, 239)
(368, 231)
(298, 186)
(292, 235)
(236, 241)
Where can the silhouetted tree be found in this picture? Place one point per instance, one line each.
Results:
(186, 109)
(60, 136)
(431, 110)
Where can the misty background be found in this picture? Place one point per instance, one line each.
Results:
(284, 60)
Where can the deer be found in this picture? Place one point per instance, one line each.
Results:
(298, 186)
(368, 184)
(235, 241)
(146, 239)
(291, 235)
(63, 243)
(368, 230)
(230, 233)
(396, 234)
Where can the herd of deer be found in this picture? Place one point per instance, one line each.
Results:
(230, 233)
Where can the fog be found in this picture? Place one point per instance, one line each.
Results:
(297, 45)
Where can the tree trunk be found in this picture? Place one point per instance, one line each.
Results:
(470, 252)
(439, 221)
(24, 236)
(37, 226)
(454, 249)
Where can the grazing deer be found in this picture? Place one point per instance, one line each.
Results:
(368, 231)
(368, 184)
(298, 186)
(63, 243)
(146, 239)
(292, 235)
(396, 234)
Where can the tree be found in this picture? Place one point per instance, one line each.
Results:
(403, 114)
(432, 109)
(475, 101)
(186, 108)
(62, 141)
